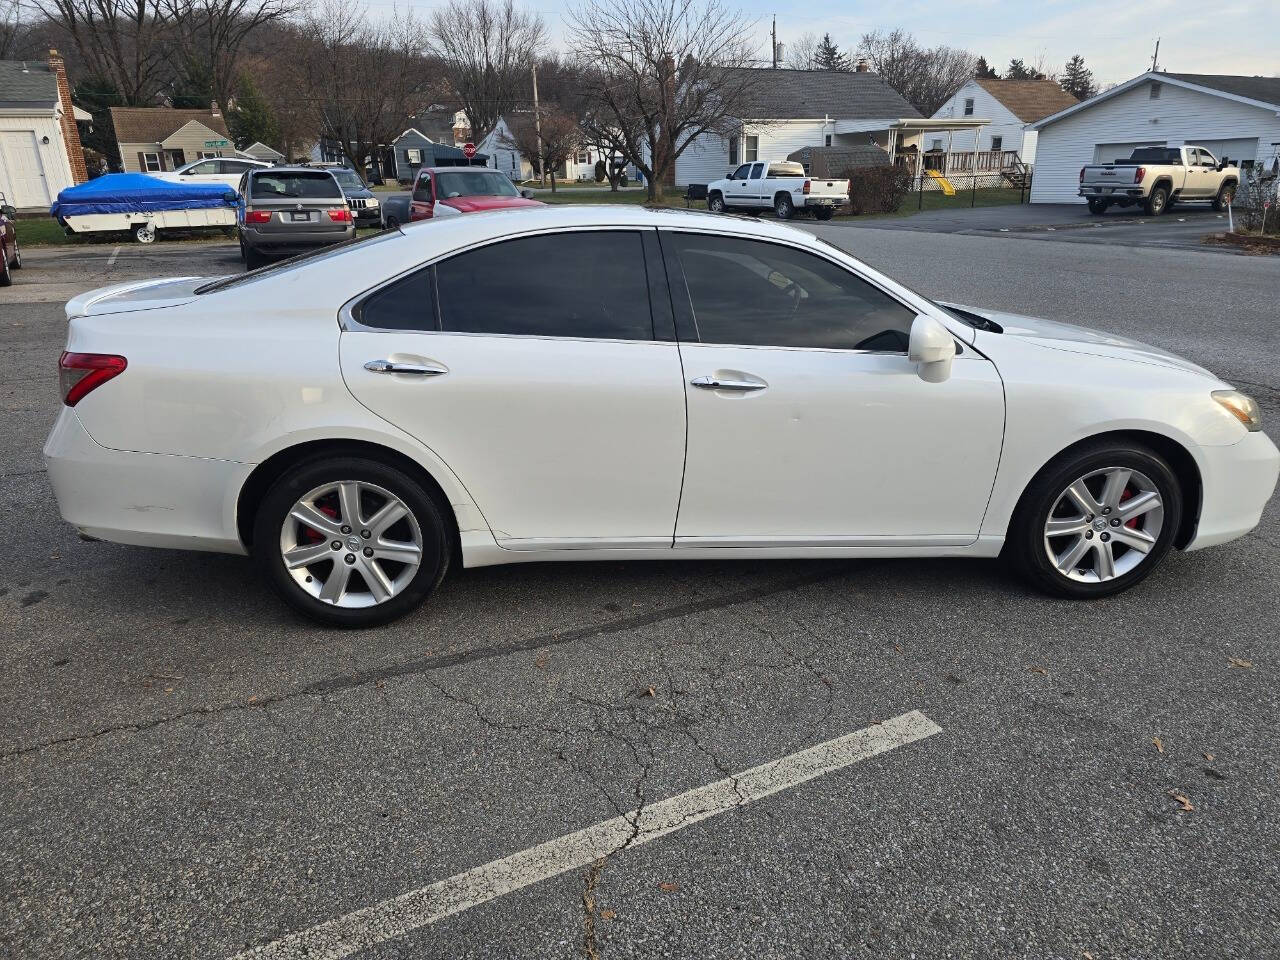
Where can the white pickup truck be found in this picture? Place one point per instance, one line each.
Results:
(780, 185)
(1158, 177)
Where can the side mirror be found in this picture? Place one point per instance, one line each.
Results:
(932, 347)
(527, 194)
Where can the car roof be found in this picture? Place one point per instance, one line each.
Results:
(290, 168)
(454, 168)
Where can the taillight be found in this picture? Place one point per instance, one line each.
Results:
(257, 216)
(1082, 174)
(340, 215)
(1139, 174)
(80, 373)
(806, 186)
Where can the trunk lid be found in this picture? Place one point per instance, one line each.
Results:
(135, 295)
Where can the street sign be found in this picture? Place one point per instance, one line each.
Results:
(468, 150)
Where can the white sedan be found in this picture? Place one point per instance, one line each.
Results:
(599, 383)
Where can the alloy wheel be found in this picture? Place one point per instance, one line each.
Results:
(1103, 525)
(351, 544)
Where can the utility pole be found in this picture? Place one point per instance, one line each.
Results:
(774, 46)
(537, 127)
(1155, 56)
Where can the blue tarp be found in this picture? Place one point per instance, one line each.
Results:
(137, 193)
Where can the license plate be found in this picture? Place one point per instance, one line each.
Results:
(296, 217)
(1105, 190)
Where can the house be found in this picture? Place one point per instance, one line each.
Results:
(1011, 105)
(260, 151)
(503, 154)
(40, 152)
(1230, 116)
(156, 139)
(788, 110)
(414, 149)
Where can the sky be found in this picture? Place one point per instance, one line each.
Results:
(1115, 38)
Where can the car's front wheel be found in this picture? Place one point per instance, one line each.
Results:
(351, 542)
(1096, 521)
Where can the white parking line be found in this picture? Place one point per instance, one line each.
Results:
(399, 915)
(114, 253)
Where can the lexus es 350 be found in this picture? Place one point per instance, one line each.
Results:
(590, 383)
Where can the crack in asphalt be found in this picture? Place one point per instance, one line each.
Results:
(429, 665)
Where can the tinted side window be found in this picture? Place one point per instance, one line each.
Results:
(761, 294)
(590, 284)
(407, 304)
(422, 190)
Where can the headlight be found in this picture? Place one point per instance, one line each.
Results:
(373, 201)
(1243, 408)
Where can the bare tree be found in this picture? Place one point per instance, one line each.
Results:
(669, 72)
(925, 77)
(802, 52)
(125, 43)
(361, 77)
(12, 30)
(547, 144)
(488, 48)
(209, 34)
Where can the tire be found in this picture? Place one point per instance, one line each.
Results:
(391, 224)
(715, 203)
(823, 213)
(17, 256)
(145, 233)
(1097, 205)
(1029, 544)
(1157, 201)
(783, 207)
(253, 259)
(275, 531)
(6, 277)
(1226, 193)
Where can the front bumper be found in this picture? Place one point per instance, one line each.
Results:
(147, 499)
(1238, 481)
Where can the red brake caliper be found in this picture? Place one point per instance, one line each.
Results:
(1131, 524)
(314, 536)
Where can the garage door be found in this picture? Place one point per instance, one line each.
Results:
(1242, 148)
(1110, 152)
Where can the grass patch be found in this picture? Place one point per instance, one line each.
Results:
(40, 232)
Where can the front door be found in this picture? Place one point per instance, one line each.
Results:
(24, 169)
(422, 202)
(807, 423)
(530, 366)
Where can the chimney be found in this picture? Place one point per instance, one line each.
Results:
(862, 66)
(70, 132)
(213, 108)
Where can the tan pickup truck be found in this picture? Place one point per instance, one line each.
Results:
(1158, 177)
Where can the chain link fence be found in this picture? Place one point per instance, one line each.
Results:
(933, 190)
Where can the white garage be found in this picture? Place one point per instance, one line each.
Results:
(1234, 117)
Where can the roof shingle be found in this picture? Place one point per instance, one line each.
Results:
(154, 124)
(27, 82)
(1029, 100)
(813, 94)
(1265, 89)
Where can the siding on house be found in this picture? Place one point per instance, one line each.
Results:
(1177, 116)
(1003, 124)
(707, 158)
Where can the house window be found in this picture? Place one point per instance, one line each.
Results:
(968, 107)
(1155, 91)
(151, 162)
(413, 156)
(733, 151)
(997, 144)
(583, 157)
(827, 140)
(751, 149)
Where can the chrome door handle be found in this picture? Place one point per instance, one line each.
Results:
(714, 383)
(426, 369)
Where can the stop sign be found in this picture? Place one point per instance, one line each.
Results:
(468, 150)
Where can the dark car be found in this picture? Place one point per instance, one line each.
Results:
(10, 255)
(364, 205)
(289, 210)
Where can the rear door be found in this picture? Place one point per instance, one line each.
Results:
(755, 187)
(532, 367)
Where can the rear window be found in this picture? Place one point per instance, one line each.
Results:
(1156, 155)
(786, 170)
(296, 185)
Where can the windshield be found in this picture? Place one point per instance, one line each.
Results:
(294, 185)
(474, 183)
(349, 179)
(282, 266)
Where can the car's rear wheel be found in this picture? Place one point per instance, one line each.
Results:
(1096, 521)
(351, 542)
(823, 213)
(1226, 193)
(1098, 205)
(1157, 201)
(783, 207)
(6, 278)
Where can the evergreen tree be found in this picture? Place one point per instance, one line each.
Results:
(1077, 79)
(252, 120)
(984, 71)
(828, 56)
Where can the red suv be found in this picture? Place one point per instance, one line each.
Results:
(10, 256)
(449, 191)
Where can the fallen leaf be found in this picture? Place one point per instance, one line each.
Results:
(607, 914)
(1240, 662)
(650, 692)
(253, 699)
(1040, 670)
(668, 887)
(1209, 757)
(1088, 955)
(1159, 744)
(897, 647)
(1182, 801)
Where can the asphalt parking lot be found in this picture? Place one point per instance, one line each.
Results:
(187, 770)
